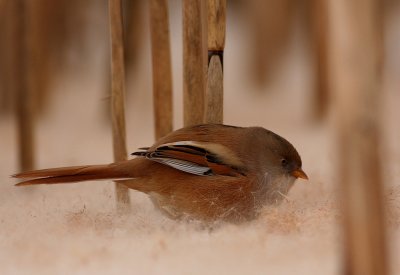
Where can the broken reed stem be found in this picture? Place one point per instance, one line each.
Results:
(356, 67)
(320, 33)
(162, 74)
(25, 94)
(216, 11)
(215, 91)
(193, 63)
(118, 94)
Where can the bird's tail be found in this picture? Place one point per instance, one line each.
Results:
(72, 174)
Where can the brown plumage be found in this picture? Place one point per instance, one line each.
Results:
(206, 172)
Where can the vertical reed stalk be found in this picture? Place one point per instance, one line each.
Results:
(356, 67)
(25, 94)
(193, 63)
(320, 33)
(162, 74)
(271, 22)
(118, 94)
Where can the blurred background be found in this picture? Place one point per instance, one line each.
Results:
(273, 77)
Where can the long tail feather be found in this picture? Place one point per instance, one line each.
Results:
(72, 174)
(71, 170)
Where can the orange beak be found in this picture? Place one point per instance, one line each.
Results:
(299, 173)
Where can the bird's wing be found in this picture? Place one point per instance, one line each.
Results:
(199, 158)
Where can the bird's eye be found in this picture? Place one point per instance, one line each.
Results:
(284, 162)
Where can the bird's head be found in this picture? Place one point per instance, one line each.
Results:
(279, 156)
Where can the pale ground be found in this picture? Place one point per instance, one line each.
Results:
(74, 229)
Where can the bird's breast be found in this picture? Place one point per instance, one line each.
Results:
(207, 198)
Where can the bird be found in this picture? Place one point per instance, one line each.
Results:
(206, 172)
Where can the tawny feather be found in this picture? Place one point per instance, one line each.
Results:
(72, 170)
(74, 174)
